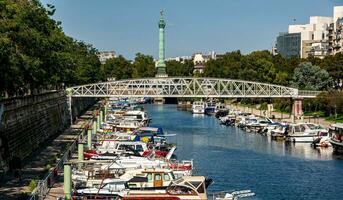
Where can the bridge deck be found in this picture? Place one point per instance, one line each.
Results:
(188, 87)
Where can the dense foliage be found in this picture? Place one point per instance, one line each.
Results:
(143, 66)
(262, 66)
(35, 54)
(311, 77)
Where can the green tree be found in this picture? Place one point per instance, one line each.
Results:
(334, 65)
(118, 68)
(176, 68)
(143, 66)
(35, 53)
(311, 77)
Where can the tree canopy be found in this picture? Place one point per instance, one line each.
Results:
(311, 77)
(36, 54)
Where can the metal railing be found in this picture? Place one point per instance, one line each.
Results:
(309, 93)
(43, 186)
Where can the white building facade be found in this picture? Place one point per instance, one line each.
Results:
(335, 32)
(314, 40)
(322, 36)
(105, 55)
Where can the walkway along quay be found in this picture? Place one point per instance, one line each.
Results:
(34, 138)
(123, 157)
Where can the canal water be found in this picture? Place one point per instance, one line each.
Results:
(238, 160)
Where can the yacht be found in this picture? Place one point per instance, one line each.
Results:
(210, 108)
(188, 187)
(198, 107)
(140, 179)
(136, 115)
(304, 132)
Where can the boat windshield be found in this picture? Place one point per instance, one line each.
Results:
(179, 189)
(314, 126)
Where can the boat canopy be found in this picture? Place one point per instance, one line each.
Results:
(338, 125)
(151, 130)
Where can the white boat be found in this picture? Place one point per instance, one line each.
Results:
(120, 147)
(304, 132)
(180, 168)
(136, 115)
(185, 188)
(127, 126)
(198, 107)
(219, 107)
(142, 179)
(232, 195)
(337, 137)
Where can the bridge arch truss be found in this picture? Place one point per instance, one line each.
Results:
(185, 87)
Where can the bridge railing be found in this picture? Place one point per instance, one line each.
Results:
(182, 87)
(308, 93)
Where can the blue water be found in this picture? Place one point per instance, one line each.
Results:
(238, 160)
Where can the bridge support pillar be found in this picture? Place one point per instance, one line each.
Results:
(297, 110)
(270, 109)
(67, 180)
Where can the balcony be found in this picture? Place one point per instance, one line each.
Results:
(337, 46)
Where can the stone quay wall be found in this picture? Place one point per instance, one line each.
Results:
(27, 122)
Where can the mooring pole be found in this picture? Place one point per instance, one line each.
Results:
(101, 116)
(89, 138)
(80, 153)
(94, 129)
(67, 180)
(98, 123)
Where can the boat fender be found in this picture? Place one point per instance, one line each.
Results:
(323, 144)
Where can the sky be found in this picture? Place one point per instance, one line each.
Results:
(131, 26)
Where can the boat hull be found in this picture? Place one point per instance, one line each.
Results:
(300, 139)
(337, 146)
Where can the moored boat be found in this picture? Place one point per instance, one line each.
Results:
(337, 137)
(198, 107)
(304, 132)
(188, 187)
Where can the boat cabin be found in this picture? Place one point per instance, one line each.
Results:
(305, 129)
(337, 137)
(135, 115)
(118, 147)
(187, 187)
(151, 179)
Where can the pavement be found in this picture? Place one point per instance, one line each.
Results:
(34, 166)
(282, 117)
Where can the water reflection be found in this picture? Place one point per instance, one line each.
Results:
(198, 115)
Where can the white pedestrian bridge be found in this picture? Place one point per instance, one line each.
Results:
(188, 87)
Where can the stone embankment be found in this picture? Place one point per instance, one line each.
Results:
(27, 122)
